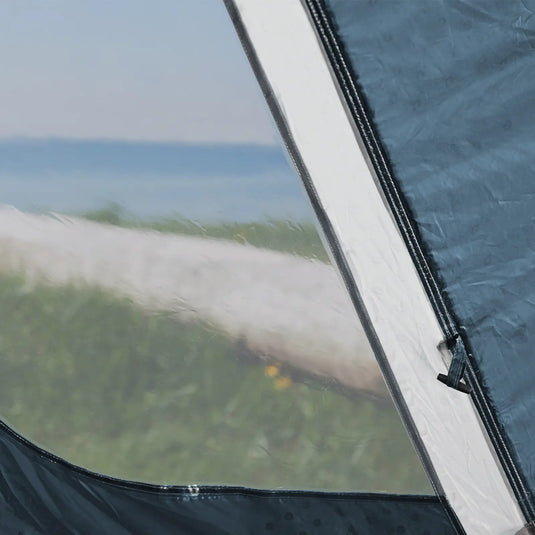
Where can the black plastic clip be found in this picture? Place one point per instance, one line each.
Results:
(457, 366)
(461, 387)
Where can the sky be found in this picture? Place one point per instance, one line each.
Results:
(158, 70)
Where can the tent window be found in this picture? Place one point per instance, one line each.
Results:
(169, 313)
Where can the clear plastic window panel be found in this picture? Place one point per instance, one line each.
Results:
(168, 311)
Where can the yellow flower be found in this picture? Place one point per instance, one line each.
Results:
(281, 383)
(272, 370)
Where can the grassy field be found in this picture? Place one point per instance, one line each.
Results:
(300, 238)
(139, 396)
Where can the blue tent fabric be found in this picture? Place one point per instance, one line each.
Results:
(450, 88)
(41, 494)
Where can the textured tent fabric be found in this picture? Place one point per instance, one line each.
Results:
(450, 88)
(41, 494)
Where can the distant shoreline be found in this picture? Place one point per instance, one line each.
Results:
(200, 182)
(20, 155)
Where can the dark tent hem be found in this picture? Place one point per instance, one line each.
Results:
(41, 493)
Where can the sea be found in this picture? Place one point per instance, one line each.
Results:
(152, 180)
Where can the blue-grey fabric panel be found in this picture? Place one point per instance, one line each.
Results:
(451, 88)
(42, 495)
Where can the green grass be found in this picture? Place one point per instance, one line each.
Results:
(297, 238)
(139, 396)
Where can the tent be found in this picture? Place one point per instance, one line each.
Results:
(410, 125)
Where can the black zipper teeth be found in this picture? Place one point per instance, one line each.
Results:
(397, 204)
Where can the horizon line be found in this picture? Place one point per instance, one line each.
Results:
(140, 141)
